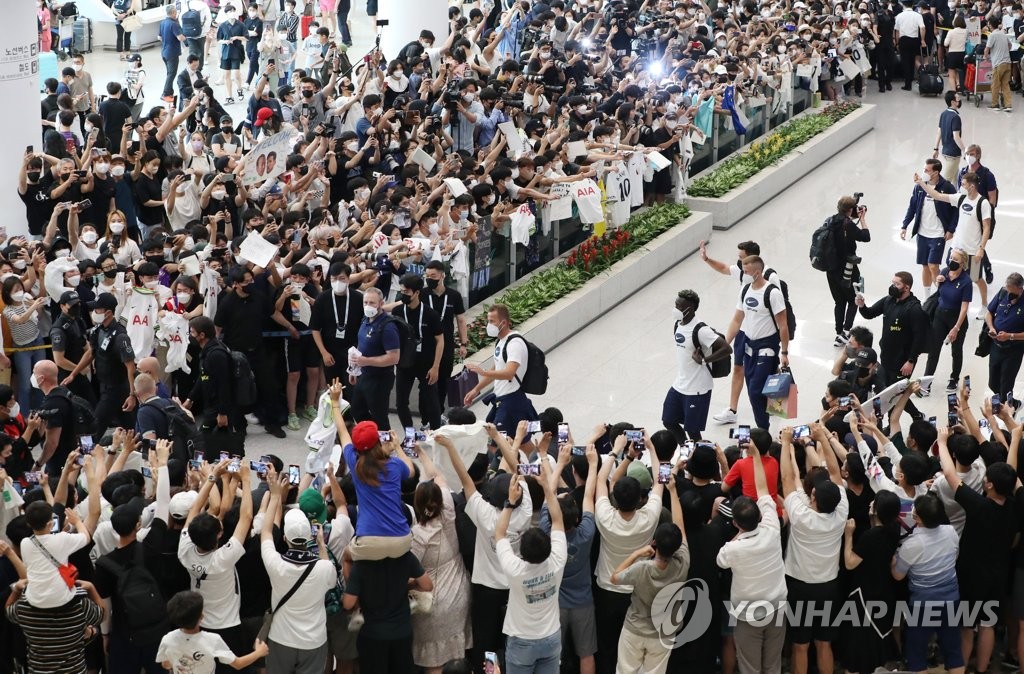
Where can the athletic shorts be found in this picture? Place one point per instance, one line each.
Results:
(580, 622)
(929, 250)
(689, 411)
(230, 64)
(825, 598)
(301, 353)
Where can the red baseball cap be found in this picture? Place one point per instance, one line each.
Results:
(263, 115)
(365, 436)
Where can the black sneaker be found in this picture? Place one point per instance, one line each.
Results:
(276, 431)
(951, 385)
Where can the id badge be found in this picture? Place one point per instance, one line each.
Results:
(105, 343)
(419, 347)
(339, 332)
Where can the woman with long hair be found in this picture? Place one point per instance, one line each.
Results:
(378, 467)
(868, 560)
(124, 250)
(955, 42)
(443, 634)
(22, 312)
(45, 23)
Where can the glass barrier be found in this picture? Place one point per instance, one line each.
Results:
(495, 262)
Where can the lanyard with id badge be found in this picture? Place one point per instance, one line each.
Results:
(419, 331)
(339, 328)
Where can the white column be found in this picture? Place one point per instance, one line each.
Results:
(19, 91)
(408, 18)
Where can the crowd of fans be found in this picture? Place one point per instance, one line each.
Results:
(189, 275)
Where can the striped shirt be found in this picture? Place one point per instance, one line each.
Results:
(22, 333)
(54, 635)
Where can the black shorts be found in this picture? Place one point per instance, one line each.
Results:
(955, 60)
(824, 599)
(230, 64)
(301, 353)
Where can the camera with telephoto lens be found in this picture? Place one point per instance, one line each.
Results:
(857, 206)
(512, 100)
(532, 77)
(327, 130)
(450, 97)
(851, 263)
(388, 161)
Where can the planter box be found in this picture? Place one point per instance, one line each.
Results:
(748, 197)
(561, 320)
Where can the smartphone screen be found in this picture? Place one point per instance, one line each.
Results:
(528, 469)
(224, 456)
(636, 438)
(801, 432)
(410, 451)
(32, 477)
(55, 524)
(967, 382)
(533, 427)
(664, 472)
(933, 421)
(195, 464)
(293, 474)
(742, 434)
(563, 433)
(844, 402)
(951, 401)
(876, 404)
(579, 450)
(384, 436)
(86, 444)
(490, 662)
(235, 463)
(997, 405)
(952, 418)
(147, 471)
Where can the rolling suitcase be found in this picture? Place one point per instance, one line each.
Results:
(929, 81)
(81, 42)
(47, 67)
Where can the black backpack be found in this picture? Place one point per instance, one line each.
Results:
(138, 600)
(718, 368)
(535, 380)
(244, 380)
(192, 24)
(407, 341)
(183, 433)
(823, 247)
(790, 318)
(81, 410)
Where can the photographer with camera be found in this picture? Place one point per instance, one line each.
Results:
(493, 115)
(842, 270)
(462, 113)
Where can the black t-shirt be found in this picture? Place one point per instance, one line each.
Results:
(988, 535)
(426, 326)
(381, 588)
(162, 558)
(111, 349)
(57, 413)
(290, 308)
(447, 306)
(349, 311)
(241, 319)
(102, 192)
(67, 335)
(38, 205)
(873, 575)
(115, 113)
(148, 189)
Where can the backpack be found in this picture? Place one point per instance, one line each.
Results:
(244, 380)
(535, 380)
(138, 599)
(184, 434)
(407, 341)
(718, 368)
(823, 247)
(790, 318)
(333, 597)
(81, 411)
(121, 6)
(981, 223)
(192, 24)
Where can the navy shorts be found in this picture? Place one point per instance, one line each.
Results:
(738, 345)
(230, 64)
(507, 411)
(689, 411)
(929, 250)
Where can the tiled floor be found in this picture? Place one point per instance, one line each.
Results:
(618, 368)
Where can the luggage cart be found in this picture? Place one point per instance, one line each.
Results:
(65, 36)
(978, 80)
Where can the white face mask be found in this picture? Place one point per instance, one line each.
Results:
(117, 171)
(339, 287)
(492, 330)
(352, 146)
(101, 167)
(468, 97)
(184, 298)
(14, 411)
(971, 160)
(489, 199)
(434, 228)
(18, 295)
(117, 227)
(74, 281)
(34, 381)
(397, 74)
(89, 237)
(89, 127)
(241, 260)
(218, 194)
(369, 310)
(515, 173)
(77, 67)
(98, 317)
(189, 242)
(720, 44)
(19, 264)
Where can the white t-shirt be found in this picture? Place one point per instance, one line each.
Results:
(486, 567)
(621, 537)
(759, 320)
(533, 590)
(516, 353)
(213, 576)
(931, 226)
(812, 553)
(967, 236)
(46, 588)
(693, 378)
(302, 622)
(193, 653)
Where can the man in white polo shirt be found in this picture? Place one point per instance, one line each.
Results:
(816, 525)
(910, 40)
(758, 577)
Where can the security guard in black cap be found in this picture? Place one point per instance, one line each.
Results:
(67, 335)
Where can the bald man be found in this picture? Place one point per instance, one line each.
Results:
(151, 366)
(58, 418)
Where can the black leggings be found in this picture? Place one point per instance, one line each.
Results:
(487, 618)
(124, 39)
(842, 294)
(944, 321)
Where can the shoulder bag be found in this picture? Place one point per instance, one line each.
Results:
(268, 617)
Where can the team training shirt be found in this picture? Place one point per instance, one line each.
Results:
(693, 378)
(516, 353)
(758, 319)
(967, 236)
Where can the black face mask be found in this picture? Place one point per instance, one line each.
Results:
(954, 265)
(331, 243)
(33, 175)
(863, 372)
(225, 129)
(158, 260)
(1013, 297)
(895, 292)
(110, 273)
(405, 299)
(74, 311)
(152, 133)
(306, 93)
(432, 283)
(825, 404)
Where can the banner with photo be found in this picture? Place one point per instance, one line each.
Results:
(267, 159)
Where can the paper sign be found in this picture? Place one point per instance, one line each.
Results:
(577, 149)
(456, 186)
(697, 136)
(658, 161)
(515, 143)
(423, 159)
(257, 250)
(189, 265)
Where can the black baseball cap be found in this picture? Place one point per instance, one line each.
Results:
(105, 301)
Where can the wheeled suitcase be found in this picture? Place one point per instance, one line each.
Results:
(47, 67)
(81, 42)
(929, 81)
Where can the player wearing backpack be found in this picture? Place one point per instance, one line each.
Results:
(698, 346)
(845, 233)
(511, 362)
(761, 314)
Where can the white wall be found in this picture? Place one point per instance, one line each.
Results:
(19, 114)
(408, 18)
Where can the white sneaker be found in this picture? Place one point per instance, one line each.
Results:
(252, 419)
(726, 416)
